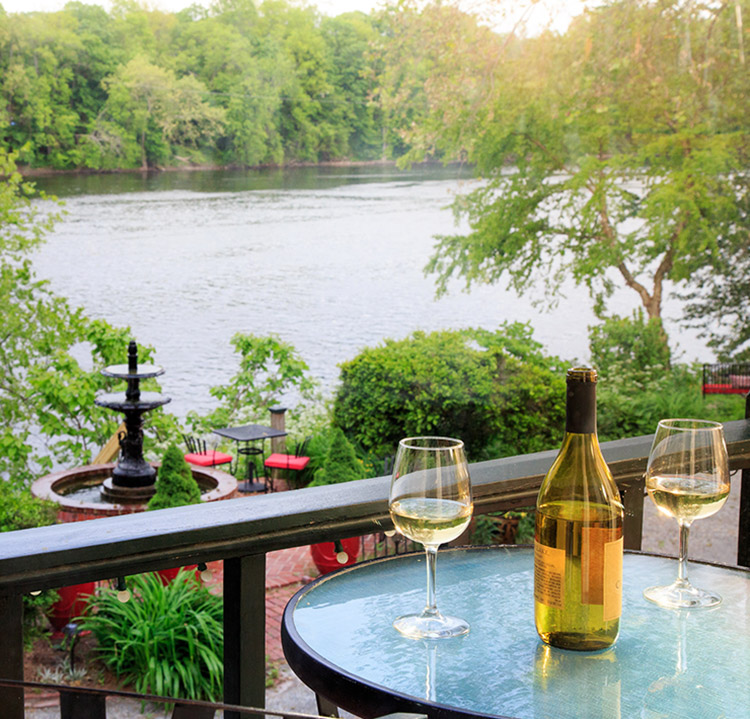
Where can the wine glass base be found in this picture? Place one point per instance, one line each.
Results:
(682, 595)
(432, 626)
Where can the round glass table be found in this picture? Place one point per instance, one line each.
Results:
(690, 664)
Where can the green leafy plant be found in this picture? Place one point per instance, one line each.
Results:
(497, 391)
(175, 484)
(19, 509)
(165, 640)
(341, 463)
(269, 368)
(520, 529)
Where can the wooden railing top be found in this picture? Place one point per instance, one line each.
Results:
(48, 557)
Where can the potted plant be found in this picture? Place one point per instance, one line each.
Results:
(340, 465)
(175, 487)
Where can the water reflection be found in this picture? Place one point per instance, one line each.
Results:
(430, 670)
(686, 694)
(588, 681)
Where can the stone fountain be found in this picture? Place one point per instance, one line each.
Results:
(133, 479)
(103, 490)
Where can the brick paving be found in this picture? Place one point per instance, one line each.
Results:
(286, 571)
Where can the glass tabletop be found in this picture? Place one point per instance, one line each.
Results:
(666, 664)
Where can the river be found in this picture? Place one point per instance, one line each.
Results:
(328, 258)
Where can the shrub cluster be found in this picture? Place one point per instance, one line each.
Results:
(495, 390)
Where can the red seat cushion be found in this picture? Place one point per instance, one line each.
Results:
(209, 459)
(286, 461)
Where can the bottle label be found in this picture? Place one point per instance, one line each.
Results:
(601, 570)
(613, 579)
(549, 575)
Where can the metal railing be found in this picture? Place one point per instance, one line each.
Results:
(726, 378)
(241, 532)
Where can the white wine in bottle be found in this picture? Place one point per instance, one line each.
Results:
(578, 539)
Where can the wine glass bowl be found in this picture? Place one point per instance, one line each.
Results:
(430, 503)
(687, 478)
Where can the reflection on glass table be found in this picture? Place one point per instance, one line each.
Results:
(339, 639)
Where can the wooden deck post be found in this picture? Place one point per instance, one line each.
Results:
(11, 654)
(743, 535)
(245, 632)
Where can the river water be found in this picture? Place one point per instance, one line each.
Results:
(330, 259)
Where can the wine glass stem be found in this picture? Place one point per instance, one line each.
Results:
(431, 553)
(682, 573)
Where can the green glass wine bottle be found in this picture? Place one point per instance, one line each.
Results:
(578, 540)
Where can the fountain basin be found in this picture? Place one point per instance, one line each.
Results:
(215, 486)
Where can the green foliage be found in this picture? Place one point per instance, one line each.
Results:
(614, 154)
(341, 462)
(165, 640)
(486, 527)
(238, 84)
(629, 346)
(638, 387)
(19, 509)
(718, 300)
(629, 406)
(495, 390)
(175, 484)
(269, 368)
(43, 389)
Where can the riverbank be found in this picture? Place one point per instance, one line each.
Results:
(31, 172)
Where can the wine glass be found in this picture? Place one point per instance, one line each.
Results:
(687, 478)
(430, 503)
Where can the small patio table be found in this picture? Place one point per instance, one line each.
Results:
(250, 433)
(689, 664)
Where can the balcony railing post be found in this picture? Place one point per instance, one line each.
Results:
(245, 632)
(631, 493)
(743, 536)
(11, 654)
(74, 706)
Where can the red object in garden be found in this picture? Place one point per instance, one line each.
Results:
(70, 605)
(324, 554)
(167, 575)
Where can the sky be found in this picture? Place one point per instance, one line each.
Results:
(332, 7)
(556, 12)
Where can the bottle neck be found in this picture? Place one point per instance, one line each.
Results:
(580, 409)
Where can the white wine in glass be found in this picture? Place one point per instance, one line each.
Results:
(687, 478)
(430, 503)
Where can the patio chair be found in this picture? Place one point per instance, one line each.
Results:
(291, 462)
(200, 455)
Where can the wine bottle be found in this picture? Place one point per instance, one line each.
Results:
(578, 539)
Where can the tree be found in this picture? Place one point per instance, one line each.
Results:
(175, 484)
(47, 410)
(156, 110)
(269, 369)
(718, 302)
(614, 155)
(341, 463)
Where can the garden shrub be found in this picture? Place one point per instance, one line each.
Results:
(638, 386)
(496, 391)
(19, 509)
(341, 463)
(629, 345)
(165, 640)
(175, 484)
